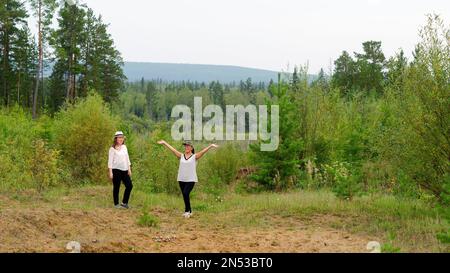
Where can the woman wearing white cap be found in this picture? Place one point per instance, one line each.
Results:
(119, 166)
(187, 173)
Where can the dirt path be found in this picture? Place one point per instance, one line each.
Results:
(112, 230)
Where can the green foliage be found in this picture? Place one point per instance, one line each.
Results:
(363, 74)
(155, 169)
(216, 93)
(85, 57)
(370, 65)
(83, 134)
(17, 54)
(133, 102)
(44, 166)
(344, 72)
(278, 170)
(212, 185)
(18, 132)
(389, 248)
(343, 179)
(222, 164)
(445, 194)
(147, 220)
(419, 114)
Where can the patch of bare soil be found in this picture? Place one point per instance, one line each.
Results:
(113, 230)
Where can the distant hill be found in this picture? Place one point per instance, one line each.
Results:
(195, 72)
(135, 71)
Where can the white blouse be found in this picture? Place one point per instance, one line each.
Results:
(187, 171)
(119, 159)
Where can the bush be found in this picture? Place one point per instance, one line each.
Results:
(222, 164)
(213, 185)
(416, 141)
(154, 167)
(83, 134)
(44, 166)
(18, 132)
(445, 195)
(344, 179)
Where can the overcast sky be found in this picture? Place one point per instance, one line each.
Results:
(268, 34)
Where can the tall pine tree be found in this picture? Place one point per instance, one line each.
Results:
(43, 11)
(13, 36)
(279, 169)
(86, 58)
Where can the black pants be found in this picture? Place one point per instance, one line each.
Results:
(186, 188)
(119, 176)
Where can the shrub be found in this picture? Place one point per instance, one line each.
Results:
(213, 185)
(154, 167)
(83, 134)
(416, 141)
(344, 179)
(18, 132)
(44, 166)
(222, 164)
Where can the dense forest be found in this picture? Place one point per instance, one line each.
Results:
(70, 38)
(376, 125)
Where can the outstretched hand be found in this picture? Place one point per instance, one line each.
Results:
(214, 145)
(167, 145)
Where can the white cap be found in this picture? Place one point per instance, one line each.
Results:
(118, 133)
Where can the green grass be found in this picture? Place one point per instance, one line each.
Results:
(147, 220)
(389, 248)
(404, 225)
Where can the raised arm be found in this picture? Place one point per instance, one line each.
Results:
(203, 152)
(174, 151)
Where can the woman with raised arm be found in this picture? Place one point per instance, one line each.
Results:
(187, 170)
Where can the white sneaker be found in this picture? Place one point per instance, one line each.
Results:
(187, 215)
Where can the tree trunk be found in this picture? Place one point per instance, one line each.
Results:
(18, 88)
(39, 66)
(69, 77)
(42, 77)
(5, 65)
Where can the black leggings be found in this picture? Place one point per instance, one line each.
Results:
(186, 188)
(119, 176)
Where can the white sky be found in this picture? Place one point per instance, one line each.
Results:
(268, 34)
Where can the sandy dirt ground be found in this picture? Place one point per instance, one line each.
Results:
(35, 229)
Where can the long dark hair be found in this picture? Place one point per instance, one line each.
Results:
(115, 142)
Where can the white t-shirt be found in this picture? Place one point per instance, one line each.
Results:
(119, 159)
(187, 171)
